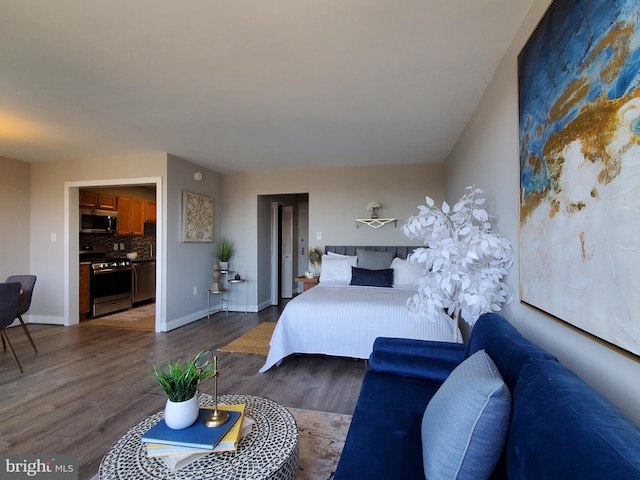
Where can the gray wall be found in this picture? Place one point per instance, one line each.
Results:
(337, 196)
(15, 212)
(487, 154)
(189, 264)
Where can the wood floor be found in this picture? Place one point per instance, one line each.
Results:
(87, 384)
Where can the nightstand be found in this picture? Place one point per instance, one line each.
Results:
(307, 283)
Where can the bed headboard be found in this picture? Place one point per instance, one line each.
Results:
(400, 251)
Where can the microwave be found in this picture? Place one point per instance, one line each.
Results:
(98, 221)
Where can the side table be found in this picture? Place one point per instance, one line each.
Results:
(307, 283)
(269, 451)
(234, 281)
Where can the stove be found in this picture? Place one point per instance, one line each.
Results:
(110, 280)
(103, 265)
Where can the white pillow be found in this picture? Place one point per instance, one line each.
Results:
(405, 272)
(336, 270)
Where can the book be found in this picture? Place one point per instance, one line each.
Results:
(197, 435)
(177, 461)
(229, 442)
(163, 449)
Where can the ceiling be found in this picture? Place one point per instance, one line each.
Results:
(243, 85)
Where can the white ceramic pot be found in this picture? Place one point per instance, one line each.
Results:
(224, 266)
(179, 415)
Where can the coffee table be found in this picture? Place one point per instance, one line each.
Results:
(269, 451)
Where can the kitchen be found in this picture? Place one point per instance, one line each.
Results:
(117, 245)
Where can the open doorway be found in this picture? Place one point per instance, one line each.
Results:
(149, 244)
(289, 223)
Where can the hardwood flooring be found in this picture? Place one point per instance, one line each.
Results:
(87, 384)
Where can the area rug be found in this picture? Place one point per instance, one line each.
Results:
(321, 439)
(254, 342)
(320, 442)
(139, 318)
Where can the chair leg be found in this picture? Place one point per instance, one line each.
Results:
(13, 354)
(28, 334)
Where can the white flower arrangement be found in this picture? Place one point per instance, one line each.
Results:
(464, 262)
(372, 205)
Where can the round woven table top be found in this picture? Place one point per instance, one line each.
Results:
(269, 451)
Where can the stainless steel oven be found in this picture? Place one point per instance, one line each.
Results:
(110, 286)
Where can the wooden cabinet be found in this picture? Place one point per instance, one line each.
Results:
(83, 293)
(149, 211)
(130, 216)
(102, 201)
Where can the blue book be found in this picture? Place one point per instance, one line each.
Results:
(197, 435)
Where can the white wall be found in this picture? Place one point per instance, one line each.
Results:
(48, 191)
(487, 154)
(15, 210)
(337, 196)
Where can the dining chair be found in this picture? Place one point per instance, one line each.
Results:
(27, 282)
(9, 299)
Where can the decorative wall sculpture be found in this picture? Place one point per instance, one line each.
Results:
(579, 94)
(197, 217)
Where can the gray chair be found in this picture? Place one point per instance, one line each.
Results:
(9, 299)
(27, 282)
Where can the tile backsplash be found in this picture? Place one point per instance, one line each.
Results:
(143, 245)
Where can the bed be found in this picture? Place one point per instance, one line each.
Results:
(339, 318)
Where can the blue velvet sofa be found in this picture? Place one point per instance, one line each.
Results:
(557, 426)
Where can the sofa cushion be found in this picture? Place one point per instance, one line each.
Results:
(561, 428)
(384, 437)
(465, 424)
(505, 345)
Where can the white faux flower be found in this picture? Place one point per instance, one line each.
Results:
(373, 204)
(464, 261)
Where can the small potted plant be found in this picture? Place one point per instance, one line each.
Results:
(224, 251)
(373, 206)
(181, 385)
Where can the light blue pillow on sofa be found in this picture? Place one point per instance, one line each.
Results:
(465, 424)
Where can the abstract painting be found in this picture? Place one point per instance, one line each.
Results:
(197, 217)
(579, 99)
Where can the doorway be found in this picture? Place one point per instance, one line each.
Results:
(72, 244)
(288, 242)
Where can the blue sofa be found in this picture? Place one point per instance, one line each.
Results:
(558, 427)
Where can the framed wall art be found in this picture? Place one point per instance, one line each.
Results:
(197, 217)
(579, 136)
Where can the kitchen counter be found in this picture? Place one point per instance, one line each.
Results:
(144, 259)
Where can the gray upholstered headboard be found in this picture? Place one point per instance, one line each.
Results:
(401, 251)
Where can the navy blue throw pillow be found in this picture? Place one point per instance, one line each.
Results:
(372, 278)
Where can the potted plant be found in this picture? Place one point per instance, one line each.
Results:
(224, 251)
(465, 262)
(181, 385)
(373, 206)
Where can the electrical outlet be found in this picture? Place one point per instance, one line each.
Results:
(53, 237)
(195, 291)
(122, 246)
(318, 235)
(115, 247)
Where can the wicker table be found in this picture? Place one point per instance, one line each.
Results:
(270, 451)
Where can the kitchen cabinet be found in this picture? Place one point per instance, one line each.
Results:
(149, 211)
(102, 201)
(83, 293)
(130, 216)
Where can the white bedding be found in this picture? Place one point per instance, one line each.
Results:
(344, 320)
